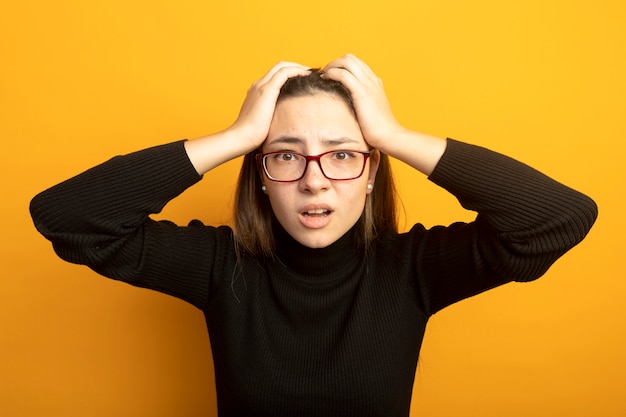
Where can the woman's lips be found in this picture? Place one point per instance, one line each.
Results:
(315, 217)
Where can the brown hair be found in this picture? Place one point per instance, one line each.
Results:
(253, 213)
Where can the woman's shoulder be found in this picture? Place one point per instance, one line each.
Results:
(392, 243)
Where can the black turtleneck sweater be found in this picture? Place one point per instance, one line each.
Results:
(315, 332)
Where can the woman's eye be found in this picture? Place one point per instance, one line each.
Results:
(342, 155)
(285, 157)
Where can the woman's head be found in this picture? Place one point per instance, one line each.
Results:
(313, 116)
(314, 84)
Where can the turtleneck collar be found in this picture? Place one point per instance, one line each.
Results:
(334, 260)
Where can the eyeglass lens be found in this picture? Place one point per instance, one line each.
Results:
(338, 165)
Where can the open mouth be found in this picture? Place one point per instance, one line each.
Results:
(316, 213)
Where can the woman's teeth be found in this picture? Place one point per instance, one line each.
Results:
(315, 212)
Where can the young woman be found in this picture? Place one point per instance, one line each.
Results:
(315, 304)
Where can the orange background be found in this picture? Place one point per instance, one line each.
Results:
(540, 80)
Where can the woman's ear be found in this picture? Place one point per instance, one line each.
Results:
(374, 161)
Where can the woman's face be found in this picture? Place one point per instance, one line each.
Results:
(312, 125)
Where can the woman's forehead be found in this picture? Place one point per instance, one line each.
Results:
(320, 119)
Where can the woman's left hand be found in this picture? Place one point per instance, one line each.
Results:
(373, 111)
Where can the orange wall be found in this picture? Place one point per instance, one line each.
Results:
(81, 81)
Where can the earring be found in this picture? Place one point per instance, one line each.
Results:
(370, 187)
(263, 188)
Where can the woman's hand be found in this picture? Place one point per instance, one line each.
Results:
(377, 122)
(256, 113)
(379, 126)
(252, 125)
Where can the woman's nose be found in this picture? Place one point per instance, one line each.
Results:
(314, 179)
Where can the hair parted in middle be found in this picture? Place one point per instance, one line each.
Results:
(253, 215)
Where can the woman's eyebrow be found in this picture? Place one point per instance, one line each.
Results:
(339, 141)
(296, 140)
(286, 140)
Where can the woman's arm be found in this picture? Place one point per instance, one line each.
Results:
(252, 125)
(525, 221)
(101, 218)
(380, 128)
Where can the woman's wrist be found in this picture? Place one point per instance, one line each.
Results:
(208, 152)
(419, 150)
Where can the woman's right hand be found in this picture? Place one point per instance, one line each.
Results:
(256, 113)
(252, 125)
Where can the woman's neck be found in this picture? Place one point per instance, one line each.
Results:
(340, 256)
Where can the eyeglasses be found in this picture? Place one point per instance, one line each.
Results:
(335, 165)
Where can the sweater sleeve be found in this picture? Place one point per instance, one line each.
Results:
(100, 218)
(525, 222)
